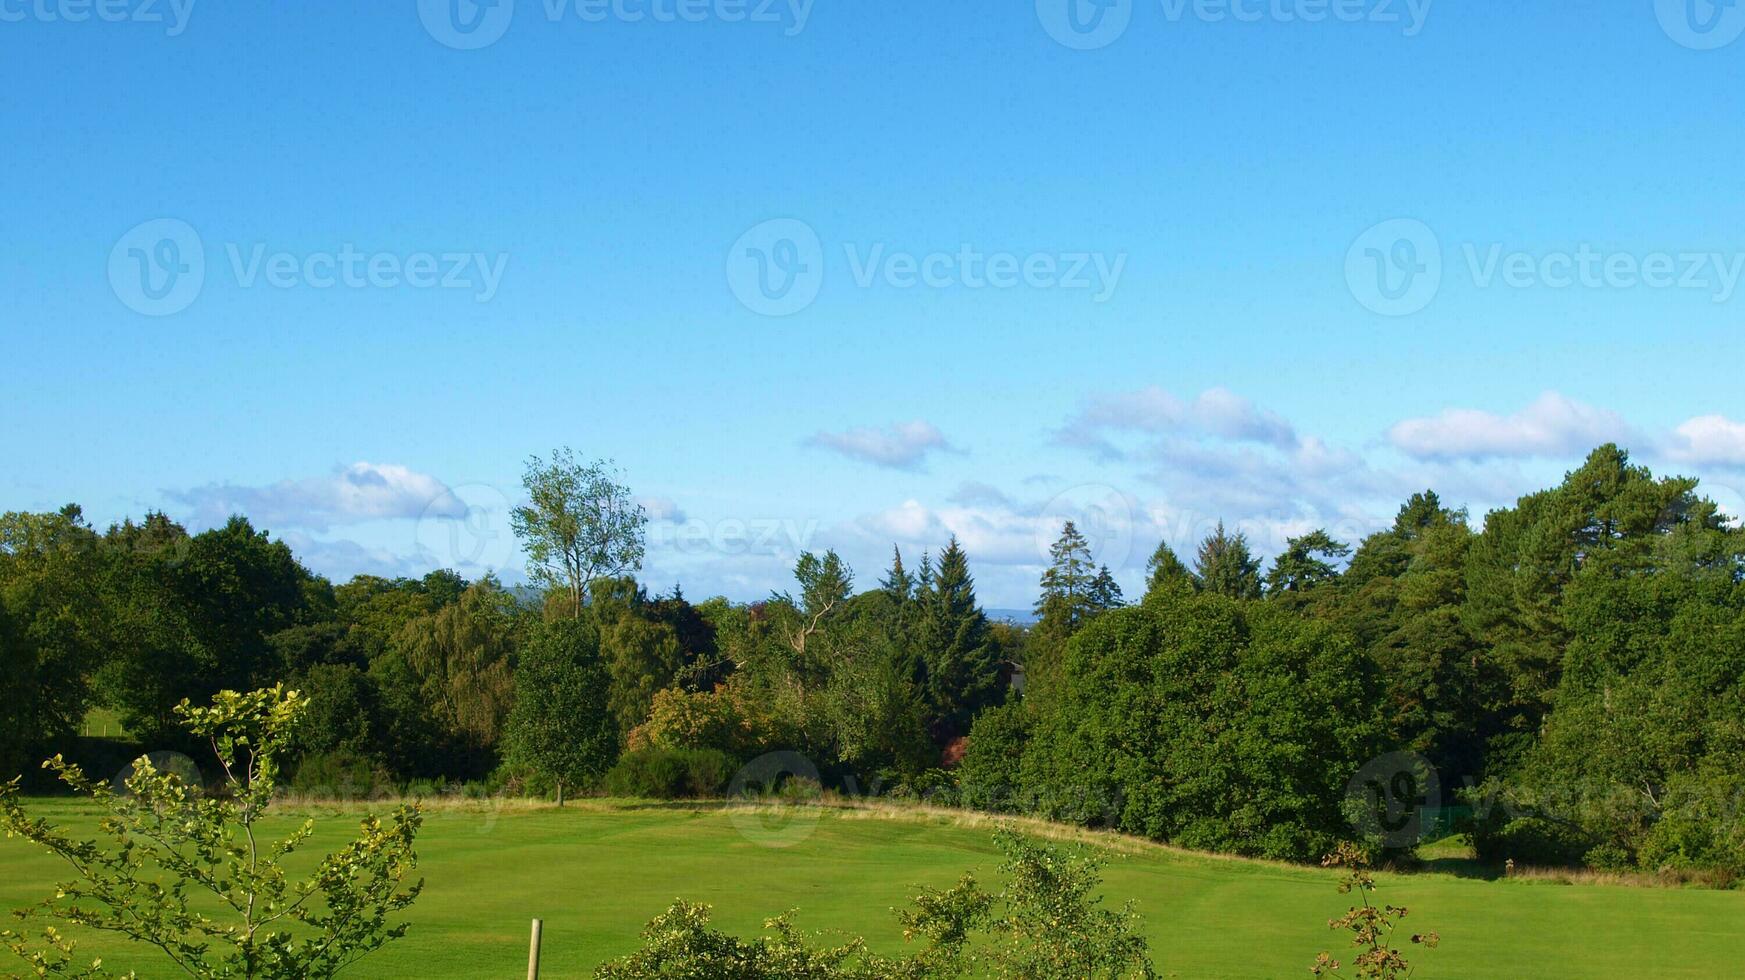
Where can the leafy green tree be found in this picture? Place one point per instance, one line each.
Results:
(562, 725)
(462, 658)
(1402, 598)
(825, 586)
(1304, 564)
(51, 568)
(1606, 517)
(873, 717)
(579, 524)
(187, 873)
(991, 776)
(1226, 567)
(239, 587)
(642, 657)
(1209, 723)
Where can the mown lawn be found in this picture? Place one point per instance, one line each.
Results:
(595, 872)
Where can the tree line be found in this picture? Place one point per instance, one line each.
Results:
(1572, 670)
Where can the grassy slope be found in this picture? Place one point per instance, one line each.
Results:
(595, 873)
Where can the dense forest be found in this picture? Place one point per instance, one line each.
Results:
(1565, 678)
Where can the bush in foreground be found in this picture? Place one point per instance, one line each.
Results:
(185, 873)
(1046, 924)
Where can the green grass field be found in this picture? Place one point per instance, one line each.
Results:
(595, 872)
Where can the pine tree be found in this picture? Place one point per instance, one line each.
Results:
(1166, 569)
(1066, 583)
(960, 660)
(1226, 566)
(1105, 591)
(897, 583)
(1299, 568)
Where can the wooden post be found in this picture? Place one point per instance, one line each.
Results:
(533, 952)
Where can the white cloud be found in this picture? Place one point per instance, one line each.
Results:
(1709, 440)
(903, 446)
(1552, 426)
(1215, 412)
(350, 495)
(662, 509)
(975, 492)
(340, 559)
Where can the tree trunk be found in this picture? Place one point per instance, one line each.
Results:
(560, 792)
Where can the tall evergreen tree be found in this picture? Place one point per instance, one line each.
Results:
(1165, 569)
(1105, 591)
(898, 583)
(960, 659)
(1303, 564)
(1226, 566)
(1066, 583)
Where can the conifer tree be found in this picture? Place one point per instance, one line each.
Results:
(1066, 600)
(960, 659)
(1227, 567)
(1166, 569)
(1105, 591)
(898, 583)
(1301, 566)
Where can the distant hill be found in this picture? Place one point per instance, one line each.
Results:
(1023, 617)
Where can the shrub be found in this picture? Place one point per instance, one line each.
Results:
(1046, 924)
(340, 775)
(1536, 841)
(992, 769)
(232, 909)
(670, 774)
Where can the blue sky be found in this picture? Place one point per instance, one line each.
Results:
(1257, 266)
